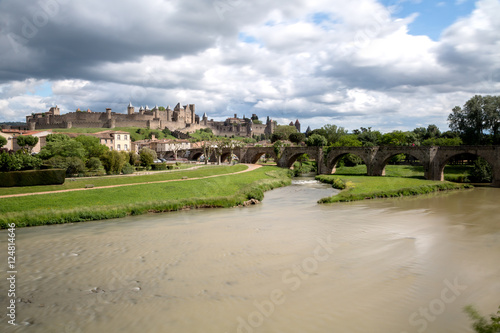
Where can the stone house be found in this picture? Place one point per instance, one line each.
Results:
(12, 134)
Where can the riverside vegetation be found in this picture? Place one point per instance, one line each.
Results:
(399, 181)
(107, 203)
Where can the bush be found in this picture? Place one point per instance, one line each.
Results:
(159, 166)
(481, 324)
(128, 169)
(32, 177)
(94, 164)
(75, 166)
(113, 162)
(482, 172)
(16, 162)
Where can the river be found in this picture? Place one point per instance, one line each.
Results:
(285, 265)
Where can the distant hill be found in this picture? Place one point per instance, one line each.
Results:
(13, 123)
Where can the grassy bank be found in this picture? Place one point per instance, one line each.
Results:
(455, 173)
(400, 181)
(98, 204)
(75, 183)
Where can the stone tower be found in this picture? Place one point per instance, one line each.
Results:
(130, 108)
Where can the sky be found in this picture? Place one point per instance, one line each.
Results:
(387, 64)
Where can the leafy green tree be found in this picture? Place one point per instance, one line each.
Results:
(278, 137)
(75, 166)
(147, 157)
(297, 137)
(27, 142)
(332, 133)
(57, 137)
(166, 132)
(368, 137)
(3, 141)
(399, 138)
(114, 161)
(285, 130)
(92, 146)
(64, 148)
(456, 141)
(481, 172)
(10, 162)
(93, 164)
(479, 117)
(278, 149)
(349, 140)
(133, 159)
(316, 140)
(16, 162)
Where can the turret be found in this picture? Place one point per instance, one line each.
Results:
(130, 108)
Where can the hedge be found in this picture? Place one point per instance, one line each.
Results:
(32, 177)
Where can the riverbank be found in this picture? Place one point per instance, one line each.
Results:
(213, 188)
(355, 188)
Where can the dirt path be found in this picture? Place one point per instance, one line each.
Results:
(251, 167)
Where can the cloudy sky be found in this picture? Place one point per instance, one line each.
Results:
(387, 64)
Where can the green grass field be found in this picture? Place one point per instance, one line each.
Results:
(96, 204)
(132, 130)
(400, 180)
(73, 183)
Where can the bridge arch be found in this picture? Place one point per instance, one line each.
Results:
(195, 155)
(385, 155)
(484, 154)
(334, 156)
(254, 154)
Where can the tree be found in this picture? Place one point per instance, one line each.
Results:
(297, 137)
(133, 158)
(147, 157)
(207, 148)
(93, 164)
(232, 145)
(57, 137)
(92, 146)
(3, 141)
(27, 142)
(114, 161)
(75, 166)
(278, 137)
(368, 137)
(64, 148)
(285, 130)
(350, 140)
(278, 149)
(332, 133)
(316, 140)
(478, 119)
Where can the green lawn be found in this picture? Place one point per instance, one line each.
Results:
(131, 130)
(72, 183)
(400, 180)
(224, 191)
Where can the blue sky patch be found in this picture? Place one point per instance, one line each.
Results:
(434, 16)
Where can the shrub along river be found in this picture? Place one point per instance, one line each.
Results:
(286, 265)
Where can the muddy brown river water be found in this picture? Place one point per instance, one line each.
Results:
(286, 265)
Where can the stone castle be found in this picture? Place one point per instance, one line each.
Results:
(181, 118)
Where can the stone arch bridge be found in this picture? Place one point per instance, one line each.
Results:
(433, 158)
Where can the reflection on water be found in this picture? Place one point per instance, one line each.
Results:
(286, 265)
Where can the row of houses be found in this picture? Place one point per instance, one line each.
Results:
(114, 140)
